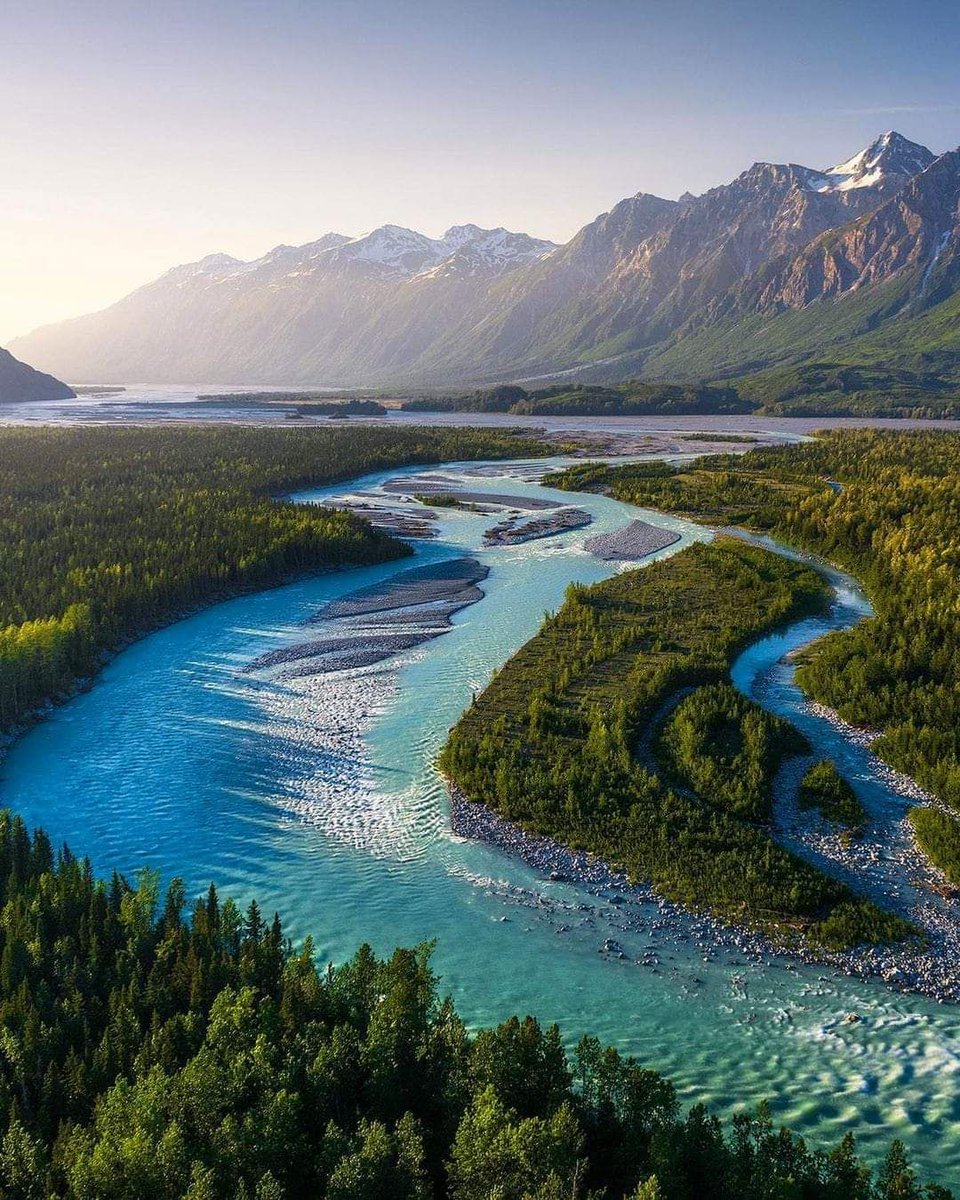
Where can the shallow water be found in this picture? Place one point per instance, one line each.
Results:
(319, 797)
(147, 404)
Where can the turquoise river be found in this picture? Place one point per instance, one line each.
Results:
(319, 796)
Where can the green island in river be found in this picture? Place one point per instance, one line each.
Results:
(886, 506)
(551, 743)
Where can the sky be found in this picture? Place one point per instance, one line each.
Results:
(134, 137)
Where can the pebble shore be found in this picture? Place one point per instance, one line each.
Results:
(923, 969)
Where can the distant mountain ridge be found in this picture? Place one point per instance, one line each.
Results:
(769, 268)
(20, 383)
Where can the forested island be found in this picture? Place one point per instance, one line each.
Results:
(822, 389)
(588, 400)
(303, 404)
(886, 506)
(552, 742)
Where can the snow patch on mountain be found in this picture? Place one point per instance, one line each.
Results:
(213, 266)
(390, 246)
(390, 252)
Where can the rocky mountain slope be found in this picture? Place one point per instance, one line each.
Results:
(881, 289)
(18, 382)
(769, 268)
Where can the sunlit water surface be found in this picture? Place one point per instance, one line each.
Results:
(319, 796)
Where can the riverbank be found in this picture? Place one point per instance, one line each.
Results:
(905, 969)
(10, 735)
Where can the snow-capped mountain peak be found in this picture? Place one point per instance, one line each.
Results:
(891, 158)
(396, 303)
(329, 241)
(486, 251)
(390, 246)
(392, 252)
(464, 249)
(460, 235)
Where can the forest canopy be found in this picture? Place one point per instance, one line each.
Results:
(155, 1049)
(108, 533)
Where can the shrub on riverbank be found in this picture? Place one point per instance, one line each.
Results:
(938, 835)
(825, 789)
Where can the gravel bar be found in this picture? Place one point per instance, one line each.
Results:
(418, 585)
(432, 487)
(525, 529)
(633, 542)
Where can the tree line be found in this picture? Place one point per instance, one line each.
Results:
(155, 1048)
(727, 749)
(107, 533)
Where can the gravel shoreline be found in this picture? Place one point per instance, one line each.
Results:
(908, 968)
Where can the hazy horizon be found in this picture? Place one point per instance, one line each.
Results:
(135, 139)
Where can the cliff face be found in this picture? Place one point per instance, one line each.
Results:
(18, 382)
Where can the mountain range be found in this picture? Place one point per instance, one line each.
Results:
(857, 263)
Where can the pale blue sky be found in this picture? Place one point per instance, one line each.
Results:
(136, 137)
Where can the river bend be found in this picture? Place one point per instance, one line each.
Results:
(318, 796)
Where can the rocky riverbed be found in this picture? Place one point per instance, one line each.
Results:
(397, 522)
(514, 530)
(931, 969)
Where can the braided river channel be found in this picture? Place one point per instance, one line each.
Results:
(317, 794)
